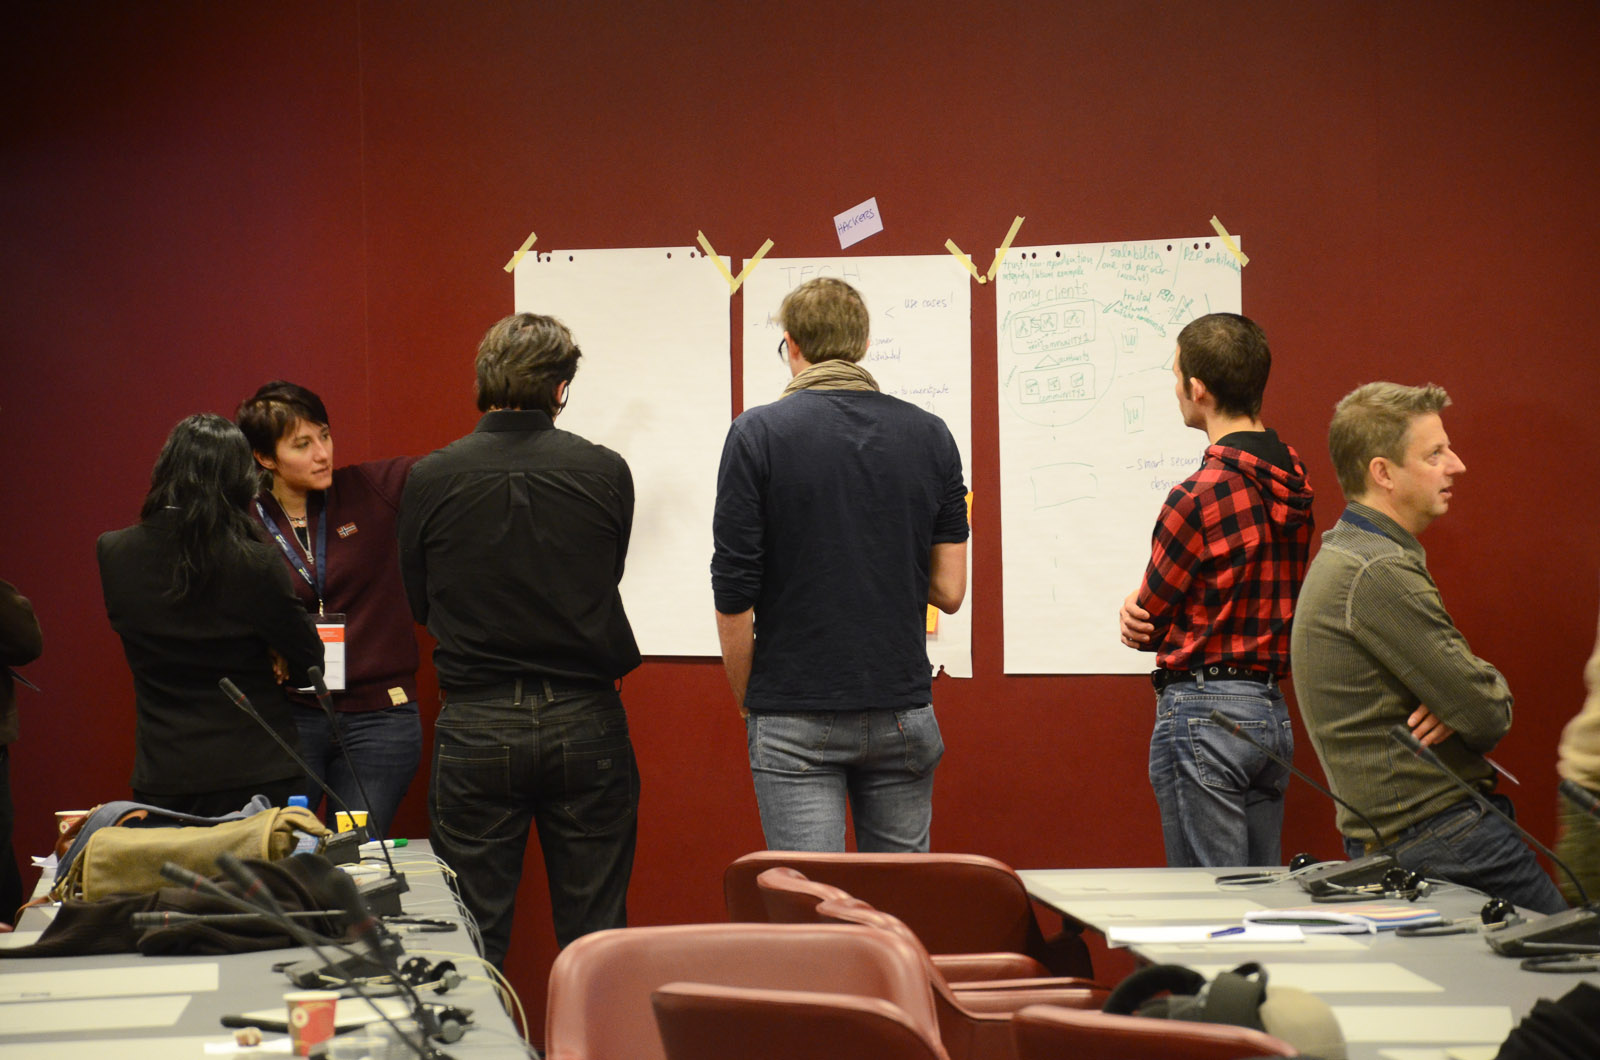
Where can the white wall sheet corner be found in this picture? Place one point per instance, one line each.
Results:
(653, 384)
(1090, 436)
(921, 352)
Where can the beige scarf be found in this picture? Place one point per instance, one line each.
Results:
(832, 374)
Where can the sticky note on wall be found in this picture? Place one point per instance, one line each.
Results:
(858, 222)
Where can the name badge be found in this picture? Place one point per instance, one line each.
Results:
(331, 628)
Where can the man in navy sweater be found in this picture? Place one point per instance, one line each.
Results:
(841, 514)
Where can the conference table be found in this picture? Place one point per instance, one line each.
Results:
(134, 1007)
(1422, 998)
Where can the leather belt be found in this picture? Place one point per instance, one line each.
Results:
(527, 685)
(1217, 672)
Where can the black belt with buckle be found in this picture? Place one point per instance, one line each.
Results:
(528, 685)
(1218, 672)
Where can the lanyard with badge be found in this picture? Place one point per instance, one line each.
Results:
(330, 627)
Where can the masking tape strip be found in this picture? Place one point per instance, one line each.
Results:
(966, 262)
(1000, 255)
(512, 264)
(752, 263)
(705, 245)
(1227, 241)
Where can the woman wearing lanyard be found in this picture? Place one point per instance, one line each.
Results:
(196, 596)
(335, 528)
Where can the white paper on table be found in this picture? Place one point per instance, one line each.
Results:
(1312, 944)
(91, 1014)
(283, 1046)
(1342, 977)
(1135, 935)
(130, 1048)
(1456, 1052)
(654, 384)
(1046, 884)
(150, 978)
(1424, 1023)
(350, 1012)
(13, 939)
(1195, 910)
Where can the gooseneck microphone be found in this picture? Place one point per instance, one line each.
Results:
(339, 849)
(1569, 931)
(364, 927)
(171, 918)
(320, 688)
(1238, 730)
(1337, 877)
(1403, 736)
(382, 895)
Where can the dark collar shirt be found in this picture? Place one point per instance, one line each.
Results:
(512, 545)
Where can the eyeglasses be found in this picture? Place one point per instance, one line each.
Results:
(783, 349)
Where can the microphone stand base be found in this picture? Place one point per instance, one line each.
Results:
(1336, 877)
(382, 896)
(1536, 938)
(343, 848)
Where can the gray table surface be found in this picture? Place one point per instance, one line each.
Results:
(246, 982)
(1467, 972)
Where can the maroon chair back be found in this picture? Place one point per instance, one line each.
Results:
(790, 898)
(954, 903)
(973, 1026)
(599, 1001)
(700, 1022)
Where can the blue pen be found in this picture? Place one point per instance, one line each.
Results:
(1238, 929)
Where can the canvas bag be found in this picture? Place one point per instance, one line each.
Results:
(123, 860)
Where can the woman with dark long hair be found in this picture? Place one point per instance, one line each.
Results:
(197, 596)
(335, 532)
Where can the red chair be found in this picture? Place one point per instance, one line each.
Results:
(954, 903)
(975, 1021)
(600, 986)
(791, 898)
(1047, 1033)
(700, 1022)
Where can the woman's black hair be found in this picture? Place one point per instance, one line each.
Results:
(206, 473)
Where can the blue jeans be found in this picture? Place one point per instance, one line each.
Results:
(808, 767)
(537, 754)
(1221, 799)
(385, 748)
(1466, 844)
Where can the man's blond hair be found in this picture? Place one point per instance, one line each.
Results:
(827, 319)
(1375, 420)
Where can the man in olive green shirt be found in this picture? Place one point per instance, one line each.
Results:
(1373, 647)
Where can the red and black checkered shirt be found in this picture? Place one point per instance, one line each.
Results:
(1227, 558)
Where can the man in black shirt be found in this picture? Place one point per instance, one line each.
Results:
(512, 544)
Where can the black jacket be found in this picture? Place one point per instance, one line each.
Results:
(190, 739)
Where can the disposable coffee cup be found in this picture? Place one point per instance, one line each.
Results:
(349, 822)
(311, 1018)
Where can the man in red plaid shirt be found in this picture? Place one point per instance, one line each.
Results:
(1229, 553)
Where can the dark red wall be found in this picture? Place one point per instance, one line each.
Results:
(198, 197)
